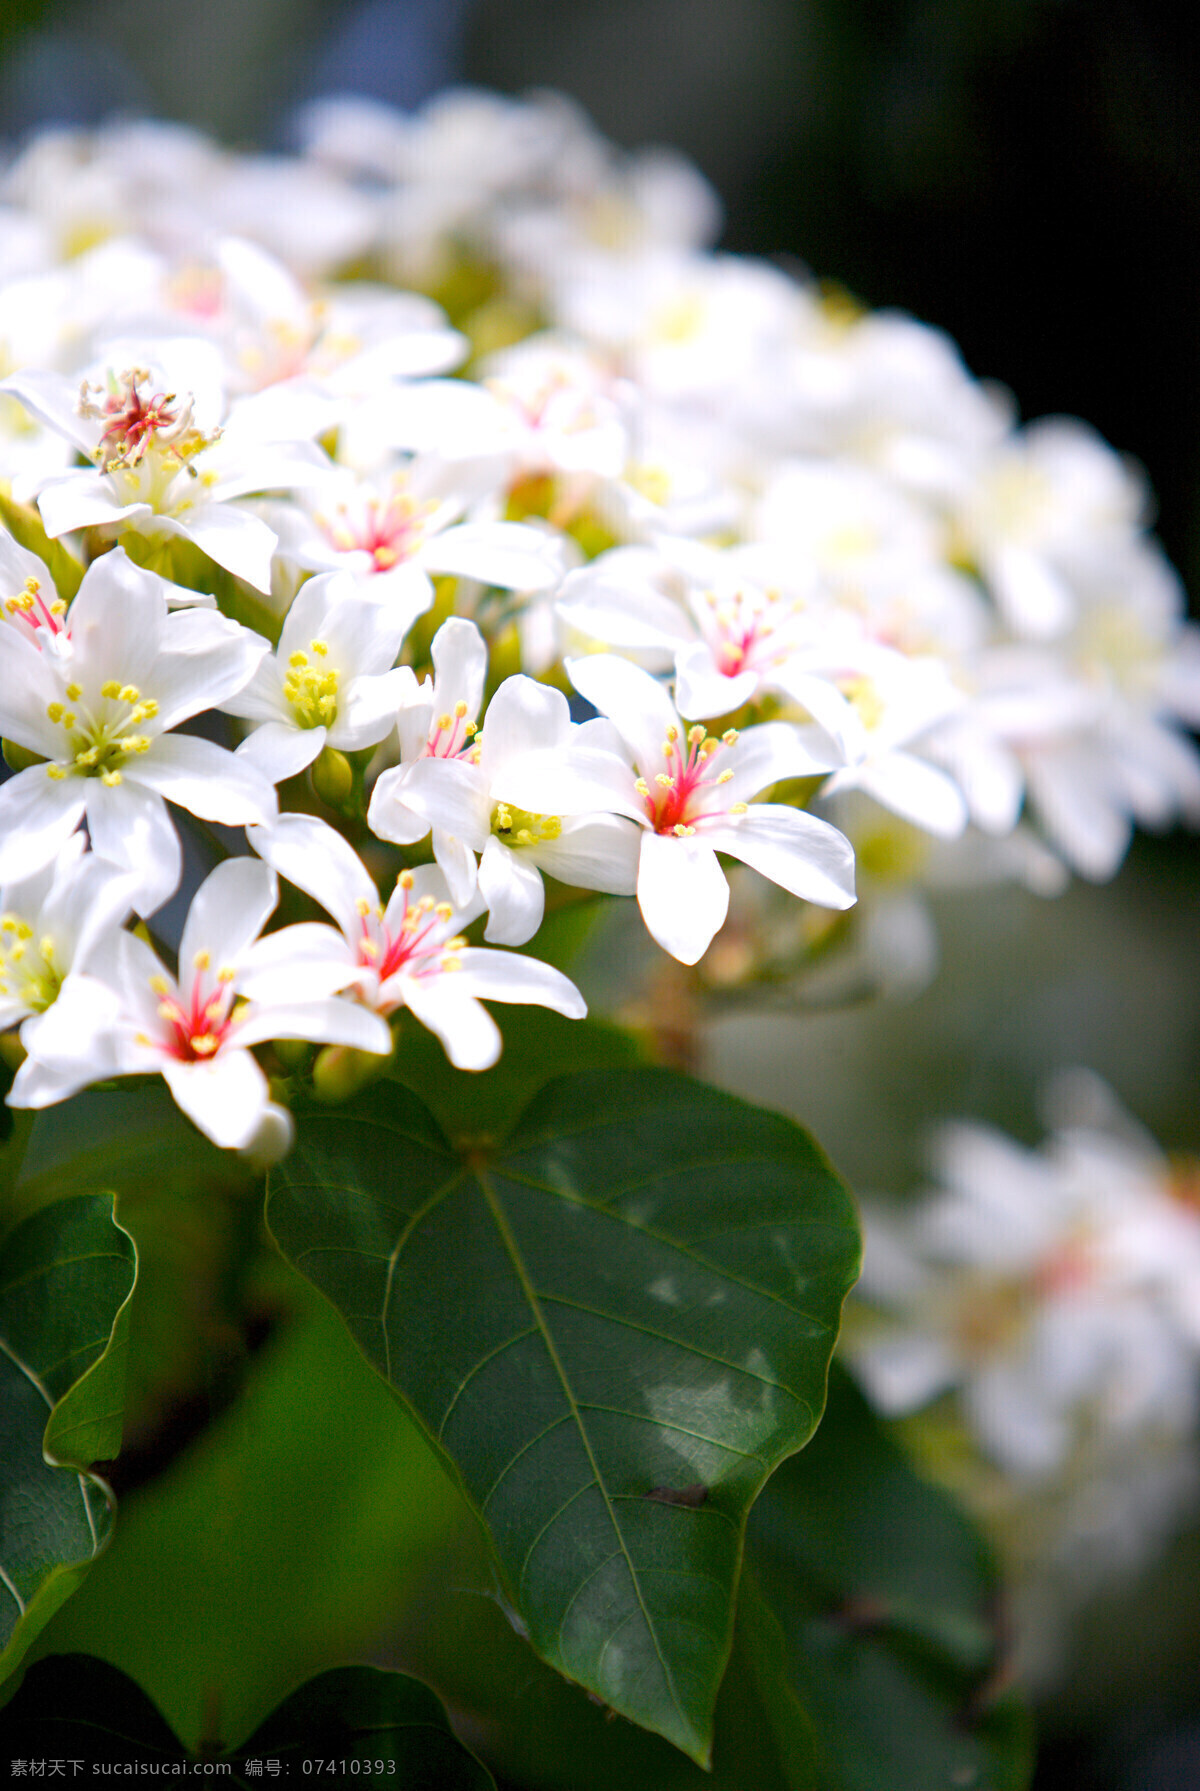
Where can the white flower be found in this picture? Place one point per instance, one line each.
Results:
(1046, 512)
(159, 475)
(1056, 1290)
(102, 717)
(692, 800)
(410, 954)
(329, 681)
(393, 532)
(437, 719)
(50, 924)
(196, 1030)
(523, 797)
(898, 700)
(736, 625)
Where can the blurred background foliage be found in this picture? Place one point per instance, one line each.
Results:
(1024, 174)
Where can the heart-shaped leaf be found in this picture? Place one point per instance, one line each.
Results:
(66, 1274)
(72, 1706)
(614, 1327)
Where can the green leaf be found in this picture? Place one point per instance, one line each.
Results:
(533, 1728)
(614, 1328)
(361, 1713)
(130, 1139)
(72, 1706)
(888, 1601)
(537, 1043)
(278, 1522)
(66, 1274)
(25, 525)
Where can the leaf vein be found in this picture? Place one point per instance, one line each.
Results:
(603, 1210)
(549, 1525)
(477, 1368)
(690, 1349)
(510, 1243)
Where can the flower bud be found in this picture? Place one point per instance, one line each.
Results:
(273, 1139)
(333, 778)
(293, 1054)
(341, 1070)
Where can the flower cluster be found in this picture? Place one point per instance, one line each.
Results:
(1050, 1299)
(549, 543)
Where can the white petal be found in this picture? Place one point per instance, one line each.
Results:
(469, 1035)
(277, 751)
(368, 711)
(510, 976)
(458, 865)
(702, 690)
(460, 657)
(593, 852)
(230, 908)
(630, 697)
(38, 813)
(330, 1021)
(450, 793)
(510, 554)
(54, 400)
(130, 826)
(766, 754)
(224, 1096)
(242, 543)
(318, 860)
(206, 779)
(85, 500)
(305, 962)
(1035, 600)
(514, 893)
(682, 893)
(569, 779)
(918, 791)
(119, 620)
(805, 856)
(523, 716)
(69, 1046)
(389, 816)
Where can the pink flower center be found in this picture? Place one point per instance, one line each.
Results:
(1068, 1268)
(451, 735)
(746, 631)
(679, 797)
(415, 942)
(198, 1024)
(133, 421)
(30, 609)
(389, 529)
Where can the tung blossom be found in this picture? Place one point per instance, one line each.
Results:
(525, 796)
(411, 953)
(692, 800)
(329, 682)
(50, 925)
(395, 531)
(101, 719)
(129, 1016)
(1056, 1289)
(158, 474)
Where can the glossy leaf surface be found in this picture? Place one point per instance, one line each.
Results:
(614, 1326)
(66, 1274)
